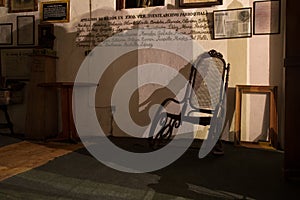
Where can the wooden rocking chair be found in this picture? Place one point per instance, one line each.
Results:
(205, 94)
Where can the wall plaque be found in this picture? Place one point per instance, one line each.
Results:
(55, 11)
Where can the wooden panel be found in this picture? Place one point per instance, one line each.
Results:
(292, 92)
(42, 114)
(292, 121)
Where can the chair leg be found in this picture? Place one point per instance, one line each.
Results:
(7, 118)
(167, 123)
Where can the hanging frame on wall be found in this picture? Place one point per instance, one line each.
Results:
(6, 37)
(25, 30)
(55, 11)
(199, 3)
(266, 17)
(232, 23)
(22, 6)
(124, 4)
(15, 62)
(46, 35)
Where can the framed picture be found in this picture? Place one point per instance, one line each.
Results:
(266, 18)
(46, 35)
(6, 37)
(2, 3)
(232, 23)
(124, 4)
(199, 3)
(25, 30)
(55, 11)
(22, 5)
(16, 62)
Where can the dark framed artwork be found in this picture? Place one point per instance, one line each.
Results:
(16, 62)
(124, 4)
(22, 6)
(55, 11)
(199, 3)
(6, 36)
(266, 17)
(26, 30)
(232, 23)
(46, 35)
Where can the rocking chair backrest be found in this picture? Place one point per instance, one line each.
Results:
(209, 80)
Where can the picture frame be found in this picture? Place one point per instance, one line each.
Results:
(15, 62)
(2, 3)
(55, 11)
(128, 4)
(266, 17)
(46, 35)
(26, 30)
(199, 3)
(232, 23)
(15, 6)
(6, 36)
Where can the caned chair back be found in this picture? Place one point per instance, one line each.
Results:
(208, 80)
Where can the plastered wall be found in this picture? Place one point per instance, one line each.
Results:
(255, 60)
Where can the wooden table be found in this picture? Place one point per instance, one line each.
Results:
(68, 132)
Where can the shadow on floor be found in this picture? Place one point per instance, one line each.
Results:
(7, 139)
(242, 173)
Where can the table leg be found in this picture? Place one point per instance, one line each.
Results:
(72, 128)
(65, 113)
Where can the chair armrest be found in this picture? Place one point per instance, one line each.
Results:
(168, 100)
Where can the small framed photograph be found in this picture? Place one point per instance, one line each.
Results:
(266, 17)
(22, 6)
(55, 11)
(2, 3)
(199, 3)
(232, 23)
(46, 35)
(25, 30)
(6, 36)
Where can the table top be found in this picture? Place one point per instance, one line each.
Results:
(67, 84)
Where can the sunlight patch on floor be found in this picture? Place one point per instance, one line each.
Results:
(23, 156)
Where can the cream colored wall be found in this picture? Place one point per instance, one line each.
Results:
(249, 57)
